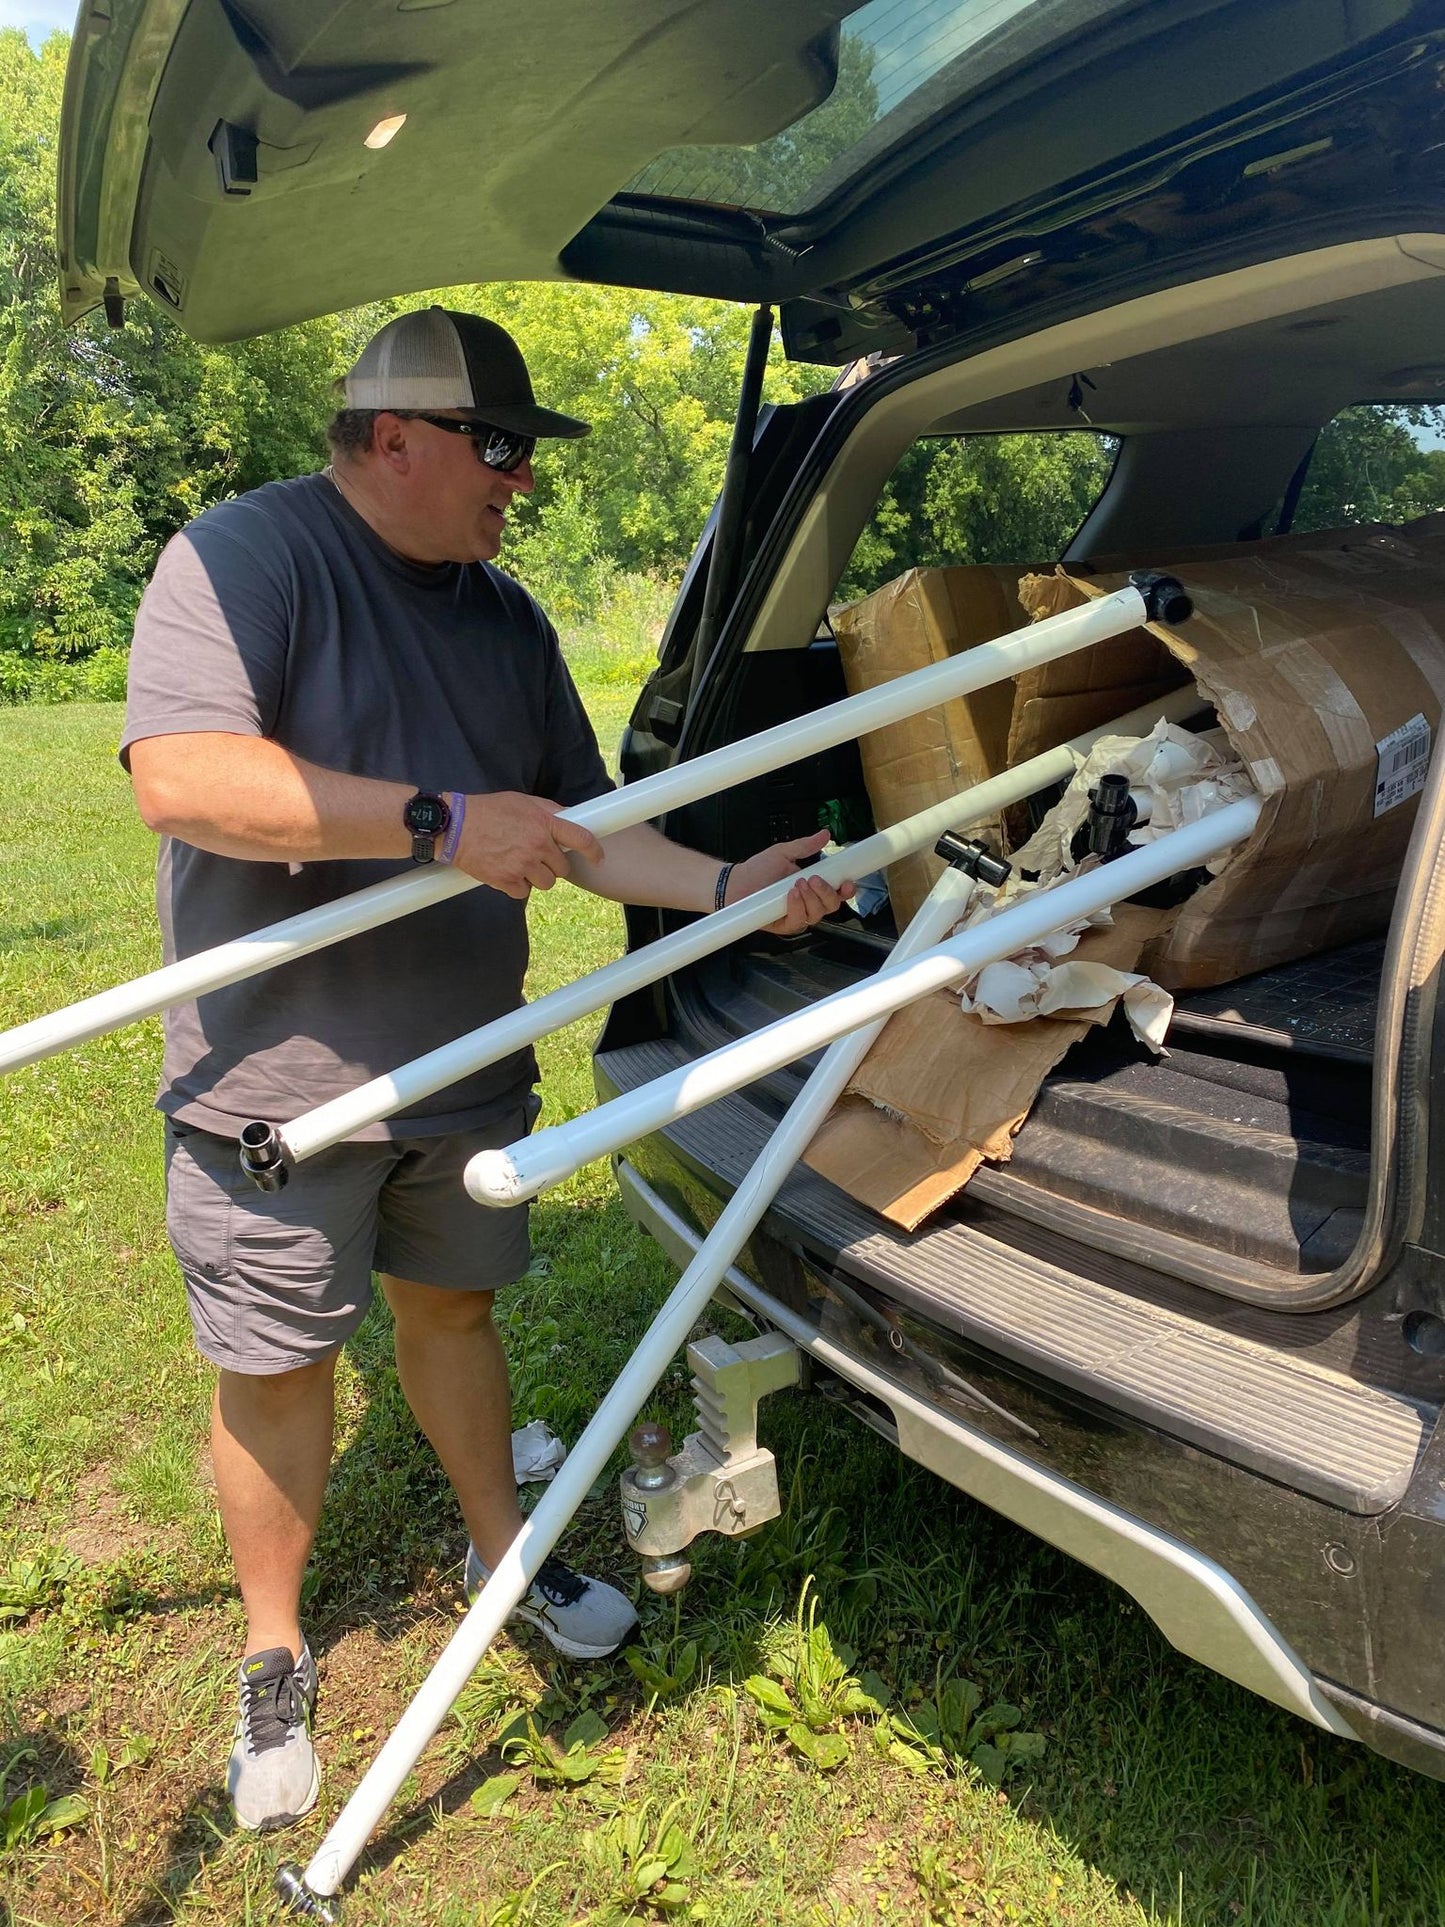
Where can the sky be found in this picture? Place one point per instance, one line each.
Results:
(38, 17)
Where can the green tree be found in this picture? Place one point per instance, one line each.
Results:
(111, 439)
(980, 498)
(1375, 463)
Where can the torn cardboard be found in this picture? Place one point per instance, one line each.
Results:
(923, 617)
(1325, 660)
(1327, 672)
(927, 615)
(940, 1090)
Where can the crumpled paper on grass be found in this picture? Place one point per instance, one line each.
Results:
(537, 1453)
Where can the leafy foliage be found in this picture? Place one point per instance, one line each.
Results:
(578, 1762)
(808, 1692)
(954, 1728)
(980, 498)
(1368, 466)
(110, 440)
(33, 1814)
(32, 1582)
(646, 1867)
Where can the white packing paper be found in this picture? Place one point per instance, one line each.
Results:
(537, 1453)
(1182, 777)
(1179, 778)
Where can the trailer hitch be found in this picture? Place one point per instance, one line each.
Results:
(722, 1480)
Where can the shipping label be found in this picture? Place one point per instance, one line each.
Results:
(1402, 760)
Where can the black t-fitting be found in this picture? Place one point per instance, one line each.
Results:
(974, 859)
(1104, 833)
(263, 1157)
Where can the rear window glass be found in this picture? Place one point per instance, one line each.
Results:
(899, 62)
(1375, 462)
(981, 498)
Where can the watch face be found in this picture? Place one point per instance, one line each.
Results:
(427, 814)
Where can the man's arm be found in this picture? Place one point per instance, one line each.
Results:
(247, 797)
(641, 865)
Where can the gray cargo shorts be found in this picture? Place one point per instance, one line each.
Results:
(281, 1279)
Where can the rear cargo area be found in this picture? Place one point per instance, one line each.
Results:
(1238, 1161)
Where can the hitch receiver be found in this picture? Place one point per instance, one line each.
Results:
(722, 1480)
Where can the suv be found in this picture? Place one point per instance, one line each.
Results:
(1211, 1287)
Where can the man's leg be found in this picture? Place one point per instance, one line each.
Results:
(453, 1370)
(271, 1445)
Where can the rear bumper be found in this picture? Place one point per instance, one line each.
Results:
(1198, 1606)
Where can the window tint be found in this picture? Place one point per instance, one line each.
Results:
(981, 498)
(1376, 462)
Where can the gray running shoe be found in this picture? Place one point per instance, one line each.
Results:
(583, 1618)
(273, 1777)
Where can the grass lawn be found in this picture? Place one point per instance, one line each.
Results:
(1161, 1793)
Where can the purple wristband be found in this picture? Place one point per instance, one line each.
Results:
(457, 809)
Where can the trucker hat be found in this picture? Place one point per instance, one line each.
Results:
(435, 358)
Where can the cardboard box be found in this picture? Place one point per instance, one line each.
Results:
(927, 615)
(920, 618)
(1326, 667)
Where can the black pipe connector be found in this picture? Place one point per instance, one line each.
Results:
(1164, 596)
(263, 1157)
(973, 858)
(1104, 833)
(291, 1887)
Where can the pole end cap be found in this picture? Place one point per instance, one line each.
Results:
(291, 1887)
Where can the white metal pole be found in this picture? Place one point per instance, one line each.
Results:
(521, 1170)
(587, 1461)
(337, 1120)
(654, 796)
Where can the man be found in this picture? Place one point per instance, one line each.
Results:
(327, 683)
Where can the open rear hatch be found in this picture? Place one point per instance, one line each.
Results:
(250, 163)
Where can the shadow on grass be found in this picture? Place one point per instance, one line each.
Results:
(195, 1837)
(37, 1757)
(1205, 1803)
(44, 930)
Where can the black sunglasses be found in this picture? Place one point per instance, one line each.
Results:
(499, 448)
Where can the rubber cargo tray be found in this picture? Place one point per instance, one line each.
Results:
(1324, 1004)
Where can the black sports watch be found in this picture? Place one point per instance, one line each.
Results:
(427, 817)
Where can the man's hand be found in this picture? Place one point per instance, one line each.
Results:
(520, 843)
(809, 900)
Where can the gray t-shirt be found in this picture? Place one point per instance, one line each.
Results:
(282, 614)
